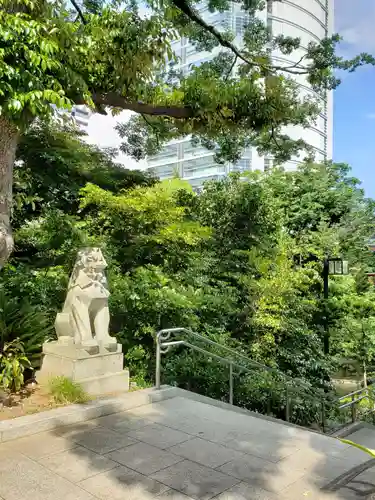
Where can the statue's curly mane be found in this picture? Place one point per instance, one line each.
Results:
(81, 263)
(78, 266)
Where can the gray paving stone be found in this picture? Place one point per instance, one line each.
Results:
(122, 422)
(244, 491)
(204, 452)
(364, 436)
(263, 446)
(195, 480)
(22, 478)
(204, 428)
(317, 463)
(144, 458)
(151, 412)
(191, 424)
(77, 429)
(216, 433)
(309, 488)
(262, 473)
(318, 442)
(96, 438)
(362, 485)
(351, 455)
(41, 445)
(159, 436)
(122, 484)
(191, 417)
(173, 495)
(78, 464)
(367, 478)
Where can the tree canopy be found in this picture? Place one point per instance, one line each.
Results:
(106, 54)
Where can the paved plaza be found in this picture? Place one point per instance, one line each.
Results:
(180, 449)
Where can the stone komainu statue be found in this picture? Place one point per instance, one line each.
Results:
(84, 320)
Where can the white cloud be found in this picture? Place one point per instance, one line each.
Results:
(355, 22)
(370, 116)
(101, 132)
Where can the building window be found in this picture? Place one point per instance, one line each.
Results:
(267, 164)
(241, 25)
(241, 165)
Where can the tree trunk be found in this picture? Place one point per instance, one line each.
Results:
(8, 145)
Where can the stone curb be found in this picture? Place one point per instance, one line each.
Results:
(72, 414)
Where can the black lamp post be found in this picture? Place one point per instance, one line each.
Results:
(334, 266)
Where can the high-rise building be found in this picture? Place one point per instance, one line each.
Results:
(81, 115)
(309, 20)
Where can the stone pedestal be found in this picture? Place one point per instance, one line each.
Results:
(98, 373)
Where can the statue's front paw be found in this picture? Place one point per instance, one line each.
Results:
(91, 346)
(109, 343)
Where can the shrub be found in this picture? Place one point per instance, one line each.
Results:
(64, 390)
(13, 362)
(20, 324)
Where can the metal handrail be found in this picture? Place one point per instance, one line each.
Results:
(163, 345)
(350, 394)
(356, 397)
(163, 335)
(166, 332)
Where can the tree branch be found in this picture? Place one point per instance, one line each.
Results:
(297, 63)
(79, 11)
(194, 16)
(116, 101)
(156, 132)
(273, 136)
(231, 68)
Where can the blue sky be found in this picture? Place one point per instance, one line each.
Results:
(354, 100)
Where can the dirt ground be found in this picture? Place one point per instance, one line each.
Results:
(32, 399)
(35, 399)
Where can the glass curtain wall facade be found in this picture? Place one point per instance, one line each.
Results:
(310, 20)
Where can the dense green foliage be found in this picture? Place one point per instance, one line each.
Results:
(240, 263)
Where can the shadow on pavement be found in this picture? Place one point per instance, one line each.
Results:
(179, 449)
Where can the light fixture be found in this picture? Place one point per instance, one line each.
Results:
(338, 266)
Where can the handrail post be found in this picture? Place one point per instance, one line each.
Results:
(231, 383)
(324, 422)
(158, 363)
(354, 410)
(370, 395)
(287, 414)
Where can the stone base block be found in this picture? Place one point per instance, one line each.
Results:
(97, 373)
(106, 384)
